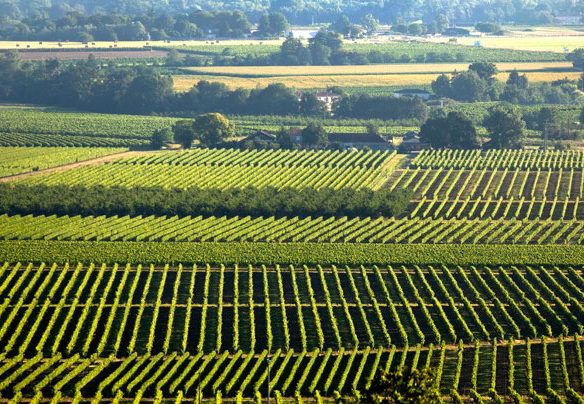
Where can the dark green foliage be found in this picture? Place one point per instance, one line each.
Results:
(505, 126)
(272, 24)
(452, 131)
(64, 200)
(314, 135)
(160, 138)
(381, 107)
(488, 27)
(417, 386)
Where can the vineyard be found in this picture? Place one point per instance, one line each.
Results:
(122, 309)
(478, 277)
(14, 160)
(225, 168)
(291, 230)
(532, 368)
(172, 329)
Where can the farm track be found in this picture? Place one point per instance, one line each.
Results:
(70, 166)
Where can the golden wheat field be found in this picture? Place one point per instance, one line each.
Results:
(550, 39)
(186, 82)
(371, 69)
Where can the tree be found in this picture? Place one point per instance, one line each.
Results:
(505, 127)
(441, 86)
(485, 70)
(310, 105)
(404, 386)
(515, 79)
(452, 131)
(468, 86)
(212, 129)
(314, 134)
(342, 25)
(184, 133)
(577, 58)
(370, 23)
(487, 27)
(160, 138)
(273, 24)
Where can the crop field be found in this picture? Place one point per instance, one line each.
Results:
(480, 278)
(532, 368)
(16, 160)
(318, 81)
(422, 229)
(271, 71)
(168, 331)
(122, 309)
(539, 43)
(210, 168)
(29, 126)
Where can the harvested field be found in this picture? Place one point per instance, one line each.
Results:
(101, 55)
(186, 82)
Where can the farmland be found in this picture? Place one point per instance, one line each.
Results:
(361, 80)
(482, 271)
(231, 271)
(14, 160)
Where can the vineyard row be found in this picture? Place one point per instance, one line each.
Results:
(120, 310)
(532, 368)
(500, 159)
(422, 229)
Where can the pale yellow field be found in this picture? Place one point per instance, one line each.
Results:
(184, 83)
(558, 44)
(371, 69)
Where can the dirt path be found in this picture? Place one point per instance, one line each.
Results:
(70, 166)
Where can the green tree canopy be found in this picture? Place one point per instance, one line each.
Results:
(403, 386)
(453, 131)
(314, 134)
(505, 126)
(212, 129)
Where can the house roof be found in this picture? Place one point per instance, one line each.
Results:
(355, 138)
(321, 94)
(260, 135)
(412, 91)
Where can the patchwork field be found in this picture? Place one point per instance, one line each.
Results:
(479, 279)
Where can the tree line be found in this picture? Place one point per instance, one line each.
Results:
(86, 85)
(269, 201)
(479, 83)
(465, 12)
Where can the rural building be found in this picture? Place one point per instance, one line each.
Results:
(411, 142)
(301, 33)
(360, 141)
(413, 92)
(296, 136)
(260, 137)
(327, 98)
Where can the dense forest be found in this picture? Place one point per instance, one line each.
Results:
(304, 11)
(87, 20)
